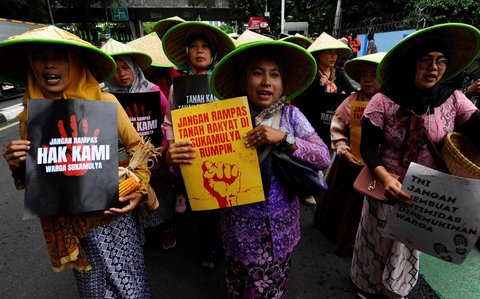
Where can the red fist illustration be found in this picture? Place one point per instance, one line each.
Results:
(222, 181)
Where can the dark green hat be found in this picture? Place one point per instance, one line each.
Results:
(14, 56)
(299, 68)
(353, 67)
(460, 41)
(174, 41)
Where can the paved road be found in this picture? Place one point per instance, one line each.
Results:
(25, 268)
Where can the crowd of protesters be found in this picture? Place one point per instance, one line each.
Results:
(287, 82)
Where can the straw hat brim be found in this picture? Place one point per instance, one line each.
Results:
(141, 59)
(327, 42)
(116, 48)
(152, 45)
(249, 36)
(161, 26)
(298, 73)
(353, 67)
(14, 63)
(462, 43)
(302, 41)
(175, 38)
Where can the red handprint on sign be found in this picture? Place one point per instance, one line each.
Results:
(137, 112)
(70, 146)
(222, 181)
(140, 118)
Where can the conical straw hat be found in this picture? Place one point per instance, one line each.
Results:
(328, 42)
(152, 45)
(298, 68)
(353, 67)
(174, 41)
(162, 26)
(462, 43)
(115, 48)
(299, 39)
(14, 55)
(249, 36)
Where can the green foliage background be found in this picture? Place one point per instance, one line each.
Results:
(318, 13)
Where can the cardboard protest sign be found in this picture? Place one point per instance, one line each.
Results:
(72, 165)
(144, 111)
(191, 91)
(224, 173)
(356, 113)
(444, 219)
(319, 112)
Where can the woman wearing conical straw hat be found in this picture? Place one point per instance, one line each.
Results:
(407, 122)
(339, 215)
(162, 26)
(259, 239)
(194, 47)
(299, 39)
(159, 72)
(249, 36)
(129, 78)
(329, 79)
(103, 248)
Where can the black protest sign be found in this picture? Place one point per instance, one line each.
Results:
(320, 111)
(192, 90)
(72, 165)
(144, 110)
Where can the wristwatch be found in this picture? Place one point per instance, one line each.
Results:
(287, 142)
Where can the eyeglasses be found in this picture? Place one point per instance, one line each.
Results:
(427, 61)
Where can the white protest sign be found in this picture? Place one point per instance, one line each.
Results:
(444, 219)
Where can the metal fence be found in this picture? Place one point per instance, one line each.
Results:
(404, 20)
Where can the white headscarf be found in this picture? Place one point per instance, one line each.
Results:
(140, 83)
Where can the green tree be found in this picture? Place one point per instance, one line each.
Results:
(428, 12)
(25, 10)
(90, 30)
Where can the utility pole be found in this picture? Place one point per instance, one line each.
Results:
(338, 17)
(282, 21)
(50, 12)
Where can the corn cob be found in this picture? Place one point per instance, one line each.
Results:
(128, 186)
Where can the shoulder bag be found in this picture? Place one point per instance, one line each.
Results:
(367, 184)
(295, 177)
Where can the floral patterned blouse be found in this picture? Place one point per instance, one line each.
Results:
(242, 226)
(381, 111)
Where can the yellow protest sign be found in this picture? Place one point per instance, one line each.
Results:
(224, 173)
(357, 108)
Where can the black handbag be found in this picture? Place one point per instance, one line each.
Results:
(295, 177)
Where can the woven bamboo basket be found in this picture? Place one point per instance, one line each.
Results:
(461, 156)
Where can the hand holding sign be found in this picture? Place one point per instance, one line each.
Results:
(222, 181)
(130, 201)
(15, 153)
